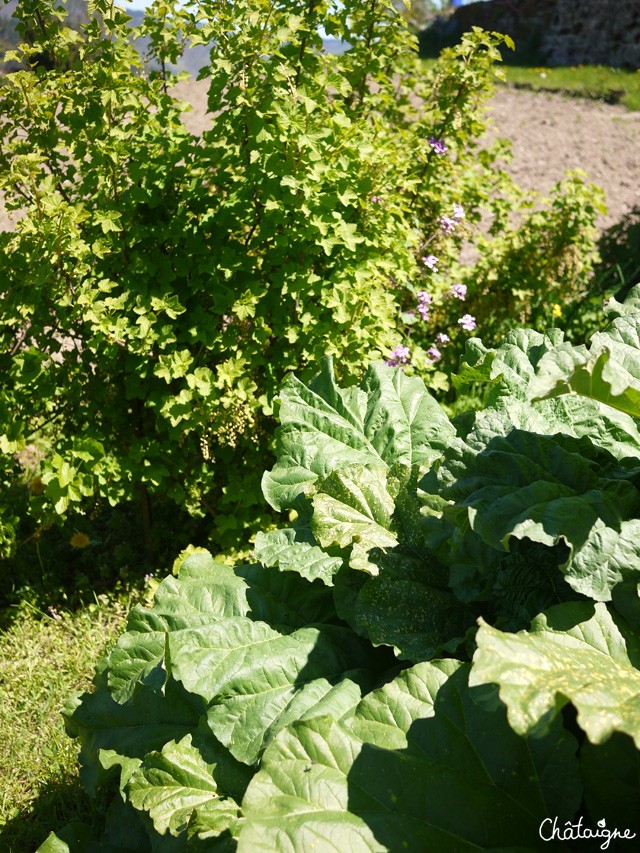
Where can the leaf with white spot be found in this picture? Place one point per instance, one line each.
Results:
(579, 653)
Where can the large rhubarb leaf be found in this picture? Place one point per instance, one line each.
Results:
(364, 512)
(353, 509)
(176, 786)
(146, 722)
(509, 369)
(609, 372)
(204, 593)
(506, 482)
(527, 366)
(418, 766)
(390, 419)
(252, 643)
(294, 549)
(576, 652)
(408, 605)
(254, 679)
(601, 377)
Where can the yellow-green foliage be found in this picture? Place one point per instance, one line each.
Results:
(160, 286)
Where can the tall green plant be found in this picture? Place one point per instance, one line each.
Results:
(393, 671)
(159, 286)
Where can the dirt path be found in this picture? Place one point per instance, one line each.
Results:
(550, 134)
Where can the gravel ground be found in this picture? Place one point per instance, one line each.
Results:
(550, 134)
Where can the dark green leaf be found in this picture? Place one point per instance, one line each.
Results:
(418, 766)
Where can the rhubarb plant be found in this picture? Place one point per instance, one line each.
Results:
(440, 651)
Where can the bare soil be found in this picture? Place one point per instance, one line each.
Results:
(550, 133)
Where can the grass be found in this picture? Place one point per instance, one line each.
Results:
(44, 658)
(597, 82)
(526, 69)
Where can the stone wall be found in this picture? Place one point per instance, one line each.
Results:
(553, 32)
(594, 32)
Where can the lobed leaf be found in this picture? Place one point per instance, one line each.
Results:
(408, 605)
(609, 372)
(390, 419)
(387, 777)
(576, 652)
(286, 550)
(205, 592)
(174, 785)
(505, 482)
(251, 676)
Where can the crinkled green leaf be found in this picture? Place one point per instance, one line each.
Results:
(512, 365)
(284, 549)
(631, 305)
(390, 419)
(251, 675)
(505, 483)
(403, 422)
(110, 758)
(607, 428)
(575, 652)
(608, 372)
(139, 655)
(285, 598)
(231, 777)
(173, 784)
(601, 377)
(146, 722)
(353, 507)
(409, 605)
(418, 766)
(204, 592)
(609, 556)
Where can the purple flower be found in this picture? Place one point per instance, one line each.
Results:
(443, 338)
(438, 145)
(434, 353)
(468, 322)
(430, 261)
(376, 199)
(459, 291)
(458, 212)
(424, 301)
(447, 224)
(400, 355)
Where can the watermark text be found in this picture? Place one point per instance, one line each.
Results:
(552, 830)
